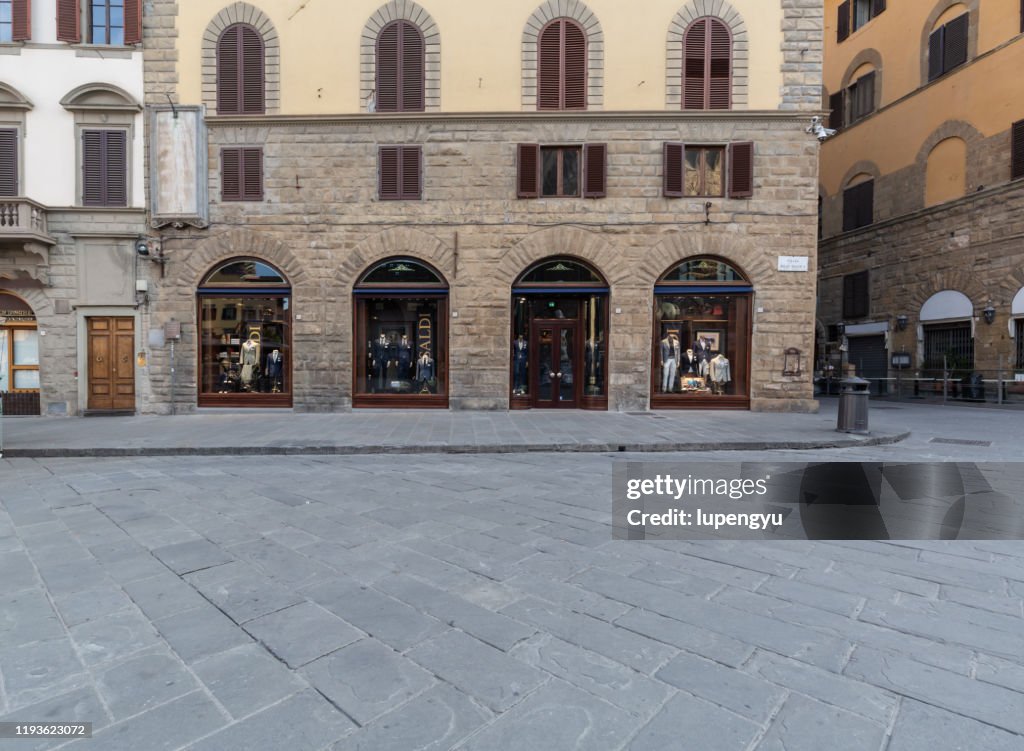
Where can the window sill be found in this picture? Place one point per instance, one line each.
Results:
(108, 51)
(11, 48)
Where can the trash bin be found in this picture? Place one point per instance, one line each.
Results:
(973, 387)
(853, 406)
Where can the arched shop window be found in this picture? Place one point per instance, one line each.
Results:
(19, 357)
(559, 352)
(245, 344)
(701, 338)
(401, 335)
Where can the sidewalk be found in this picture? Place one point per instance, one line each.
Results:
(432, 432)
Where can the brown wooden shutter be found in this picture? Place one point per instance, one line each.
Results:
(877, 7)
(955, 44)
(836, 118)
(390, 184)
(69, 21)
(132, 21)
(228, 72)
(412, 69)
(858, 206)
(8, 162)
(21, 20)
(252, 174)
(387, 69)
(549, 67)
(1017, 150)
(528, 167)
(741, 170)
(719, 66)
(231, 175)
(575, 66)
(92, 168)
(252, 66)
(411, 172)
(935, 47)
(116, 172)
(672, 167)
(694, 62)
(843, 21)
(856, 295)
(595, 170)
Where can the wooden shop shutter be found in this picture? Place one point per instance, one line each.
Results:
(231, 174)
(562, 66)
(21, 20)
(104, 168)
(132, 21)
(843, 21)
(935, 46)
(401, 68)
(955, 43)
(69, 21)
(719, 66)
(528, 170)
(835, 103)
(8, 162)
(741, 170)
(1017, 150)
(595, 170)
(694, 62)
(673, 169)
(240, 72)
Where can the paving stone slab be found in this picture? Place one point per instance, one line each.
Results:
(186, 557)
(163, 595)
(169, 726)
(685, 636)
(436, 720)
(556, 717)
(921, 727)
(367, 679)
(241, 592)
(80, 705)
(807, 725)
(26, 617)
(143, 682)
(246, 679)
(32, 672)
(738, 692)
(483, 672)
(113, 637)
(302, 633)
(687, 722)
(200, 632)
(18, 572)
(89, 604)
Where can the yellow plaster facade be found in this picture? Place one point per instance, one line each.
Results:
(984, 93)
(481, 52)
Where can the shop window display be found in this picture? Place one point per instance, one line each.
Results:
(701, 347)
(19, 357)
(245, 332)
(401, 352)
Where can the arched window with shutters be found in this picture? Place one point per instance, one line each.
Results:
(401, 66)
(562, 66)
(707, 65)
(240, 71)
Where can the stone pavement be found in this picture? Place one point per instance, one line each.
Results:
(433, 431)
(406, 602)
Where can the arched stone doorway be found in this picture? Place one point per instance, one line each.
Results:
(19, 356)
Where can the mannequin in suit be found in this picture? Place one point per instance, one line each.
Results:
(520, 355)
(378, 361)
(669, 363)
(275, 368)
(688, 363)
(404, 357)
(721, 373)
(424, 372)
(250, 359)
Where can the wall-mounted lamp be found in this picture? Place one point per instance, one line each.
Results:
(144, 248)
(841, 328)
(990, 314)
(791, 364)
(901, 322)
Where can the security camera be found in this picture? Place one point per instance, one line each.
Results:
(142, 247)
(820, 131)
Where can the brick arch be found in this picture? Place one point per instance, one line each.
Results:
(36, 299)
(239, 12)
(677, 247)
(547, 12)
(960, 281)
(870, 56)
(397, 241)
(400, 10)
(239, 243)
(689, 13)
(572, 242)
(940, 7)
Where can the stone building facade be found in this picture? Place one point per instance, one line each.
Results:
(929, 266)
(319, 231)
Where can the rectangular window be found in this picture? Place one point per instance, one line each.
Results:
(560, 171)
(856, 295)
(853, 14)
(947, 47)
(858, 206)
(1019, 324)
(8, 162)
(704, 171)
(861, 97)
(836, 103)
(400, 173)
(106, 22)
(861, 13)
(6, 21)
(1017, 150)
(949, 344)
(241, 174)
(104, 168)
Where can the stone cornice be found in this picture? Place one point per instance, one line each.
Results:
(721, 116)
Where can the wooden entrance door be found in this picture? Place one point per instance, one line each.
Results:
(555, 354)
(111, 367)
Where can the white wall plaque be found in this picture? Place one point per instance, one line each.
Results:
(794, 263)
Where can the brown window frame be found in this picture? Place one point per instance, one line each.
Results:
(104, 175)
(700, 69)
(737, 169)
(702, 169)
(10, 142)
(580, 78)
(244, 192)
(859, 206)
(242, 66)
(401, 156)
(860, 97)
(943, 58)
(846, 23)
(560, 172)
(857, 295)
(593, 170)
(404, 78)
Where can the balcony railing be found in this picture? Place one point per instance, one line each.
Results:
(23, 219)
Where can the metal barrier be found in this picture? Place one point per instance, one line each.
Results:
(990, 388)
